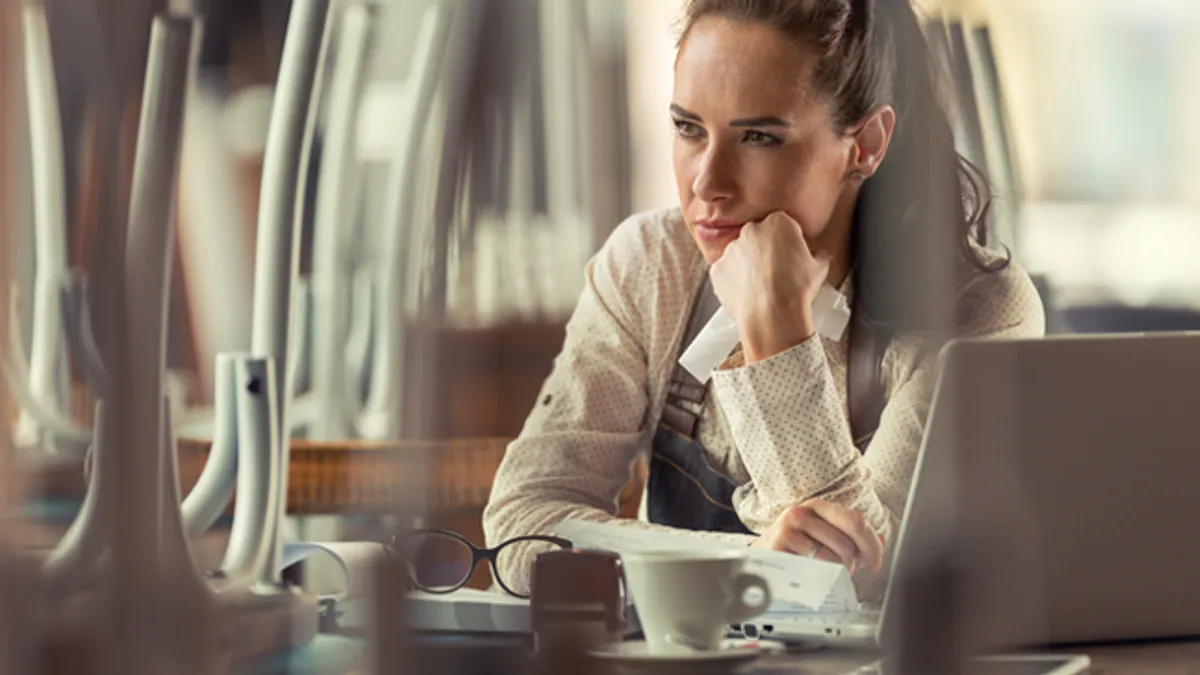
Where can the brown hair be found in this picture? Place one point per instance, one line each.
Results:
(926, 205)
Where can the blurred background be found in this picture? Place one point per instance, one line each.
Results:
(465, 164)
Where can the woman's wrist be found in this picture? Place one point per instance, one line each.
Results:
(774, 333)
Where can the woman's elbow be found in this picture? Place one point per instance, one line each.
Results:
(519, 512)
(498, 525)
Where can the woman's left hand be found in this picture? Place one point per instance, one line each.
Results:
(826, 531)
(767, 279)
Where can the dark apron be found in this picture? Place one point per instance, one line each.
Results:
(683, 490)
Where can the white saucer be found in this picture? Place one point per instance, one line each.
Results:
(732, 656)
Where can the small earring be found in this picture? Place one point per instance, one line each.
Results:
(857, 177)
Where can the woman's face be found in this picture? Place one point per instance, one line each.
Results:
(753, 137)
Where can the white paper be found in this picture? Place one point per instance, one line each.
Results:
(711, 347)
(355, 560)
(841, 600)
(831, 314)
(797, 583)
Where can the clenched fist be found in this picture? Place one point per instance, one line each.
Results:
(767, 280)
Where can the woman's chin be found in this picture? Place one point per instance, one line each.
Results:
(712, 248)
(711, 252)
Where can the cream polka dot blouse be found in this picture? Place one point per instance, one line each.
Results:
(778, 428)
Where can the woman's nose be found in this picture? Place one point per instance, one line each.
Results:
(714, 176)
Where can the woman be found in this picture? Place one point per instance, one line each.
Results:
(810, 150)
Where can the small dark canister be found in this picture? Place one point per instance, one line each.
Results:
(576, 604)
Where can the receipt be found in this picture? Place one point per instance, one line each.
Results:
(831, 314)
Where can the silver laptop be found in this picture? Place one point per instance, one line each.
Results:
(1064, 473)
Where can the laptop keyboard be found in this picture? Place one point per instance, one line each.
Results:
(865, 616)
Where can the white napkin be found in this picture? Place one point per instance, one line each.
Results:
(716, 340)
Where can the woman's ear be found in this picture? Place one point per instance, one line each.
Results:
(871, 140)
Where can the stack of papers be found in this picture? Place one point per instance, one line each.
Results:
(797, 583)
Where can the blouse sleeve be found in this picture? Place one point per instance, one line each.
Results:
(789, 423)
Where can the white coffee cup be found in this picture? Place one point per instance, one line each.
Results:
(686, 600)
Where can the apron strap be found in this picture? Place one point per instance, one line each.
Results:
(685, 394)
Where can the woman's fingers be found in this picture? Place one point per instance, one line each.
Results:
(786, 540)
(800, 519)
(852, 524)
(842, 534)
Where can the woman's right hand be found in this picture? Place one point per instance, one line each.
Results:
(837, 533)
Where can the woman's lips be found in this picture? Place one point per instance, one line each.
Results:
(718, 230)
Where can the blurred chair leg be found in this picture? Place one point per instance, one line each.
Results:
(18, 587)
(46, 353)
(289, 138)
(209, 497)
(399, 222)
(330, 276)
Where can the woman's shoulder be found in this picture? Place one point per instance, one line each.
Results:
(645, 274)
(651, 246)
(651, 235)
(1000, 299)
(997, 300)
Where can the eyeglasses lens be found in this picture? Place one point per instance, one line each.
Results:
(438, 562)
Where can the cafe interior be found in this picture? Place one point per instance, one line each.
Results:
(287, 280)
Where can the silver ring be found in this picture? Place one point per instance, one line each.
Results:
(815, 549)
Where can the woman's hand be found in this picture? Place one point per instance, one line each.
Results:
(767, 279)
(839, 534)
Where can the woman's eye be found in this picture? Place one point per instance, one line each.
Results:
(687, 129)
(761, 139)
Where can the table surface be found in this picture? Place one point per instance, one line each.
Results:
(1168, 658)
(329, 654)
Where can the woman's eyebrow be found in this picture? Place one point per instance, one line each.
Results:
(686, 114)
(765, 121)
(760, 122)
